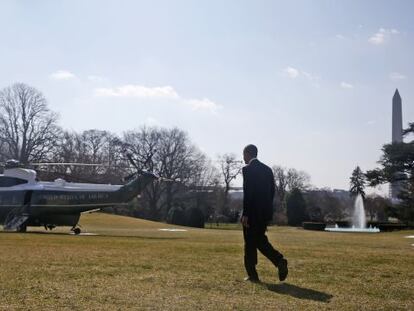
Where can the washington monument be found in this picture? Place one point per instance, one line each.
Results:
(397, 129)
(397, 134)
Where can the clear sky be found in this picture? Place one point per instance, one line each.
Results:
(309, 82)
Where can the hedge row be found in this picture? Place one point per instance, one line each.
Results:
(383, 226)
(319, 226)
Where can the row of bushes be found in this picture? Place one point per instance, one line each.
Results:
(388, 226)
(319, 226)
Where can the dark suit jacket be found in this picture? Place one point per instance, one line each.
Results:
(259, 191)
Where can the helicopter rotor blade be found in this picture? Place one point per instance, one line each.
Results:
(77, 164)
(164, 179)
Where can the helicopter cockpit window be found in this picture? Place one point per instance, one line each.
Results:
(6, 181)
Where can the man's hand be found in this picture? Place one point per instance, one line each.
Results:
(245, 221)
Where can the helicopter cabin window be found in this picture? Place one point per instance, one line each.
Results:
(6, 181)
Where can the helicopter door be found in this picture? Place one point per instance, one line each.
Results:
(17, 218)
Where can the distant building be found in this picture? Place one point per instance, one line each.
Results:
(340, 194)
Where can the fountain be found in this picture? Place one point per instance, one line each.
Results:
(359, 223)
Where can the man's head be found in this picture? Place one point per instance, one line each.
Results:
(249, 152)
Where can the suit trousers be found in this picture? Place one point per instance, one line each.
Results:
(255, 239)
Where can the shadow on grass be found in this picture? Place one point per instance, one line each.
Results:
(298, 292)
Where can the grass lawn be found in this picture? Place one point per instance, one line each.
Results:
(131, 265)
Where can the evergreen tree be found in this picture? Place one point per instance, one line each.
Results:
(296, 208)
(397, 165)
(357, 182)
(176, 216)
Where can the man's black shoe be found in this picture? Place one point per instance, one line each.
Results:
(251, 279)
(283, 269)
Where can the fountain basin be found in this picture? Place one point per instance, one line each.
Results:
(354, 230)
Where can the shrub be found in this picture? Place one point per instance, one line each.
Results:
(318, 226)
(280, 218)
(296, 208)
(388, 226)
(176, 216)
(194, 217)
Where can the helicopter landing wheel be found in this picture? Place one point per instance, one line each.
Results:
(22, 229)
(76, 231)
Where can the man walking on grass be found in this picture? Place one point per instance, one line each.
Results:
(259, 191)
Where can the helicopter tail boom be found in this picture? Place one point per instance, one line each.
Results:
(133, 188)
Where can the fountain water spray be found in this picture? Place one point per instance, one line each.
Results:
(358, 218)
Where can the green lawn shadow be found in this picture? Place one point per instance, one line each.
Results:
(298, 292)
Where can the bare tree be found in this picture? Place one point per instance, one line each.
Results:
(179, 159)
(90, 147)
(281, 183)
(206, 184)
(287, 180)
(297, 179)
(170, 154)
(102, 147)
(143, 145)
(28, 129)
(230, 168)
(3, 152)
